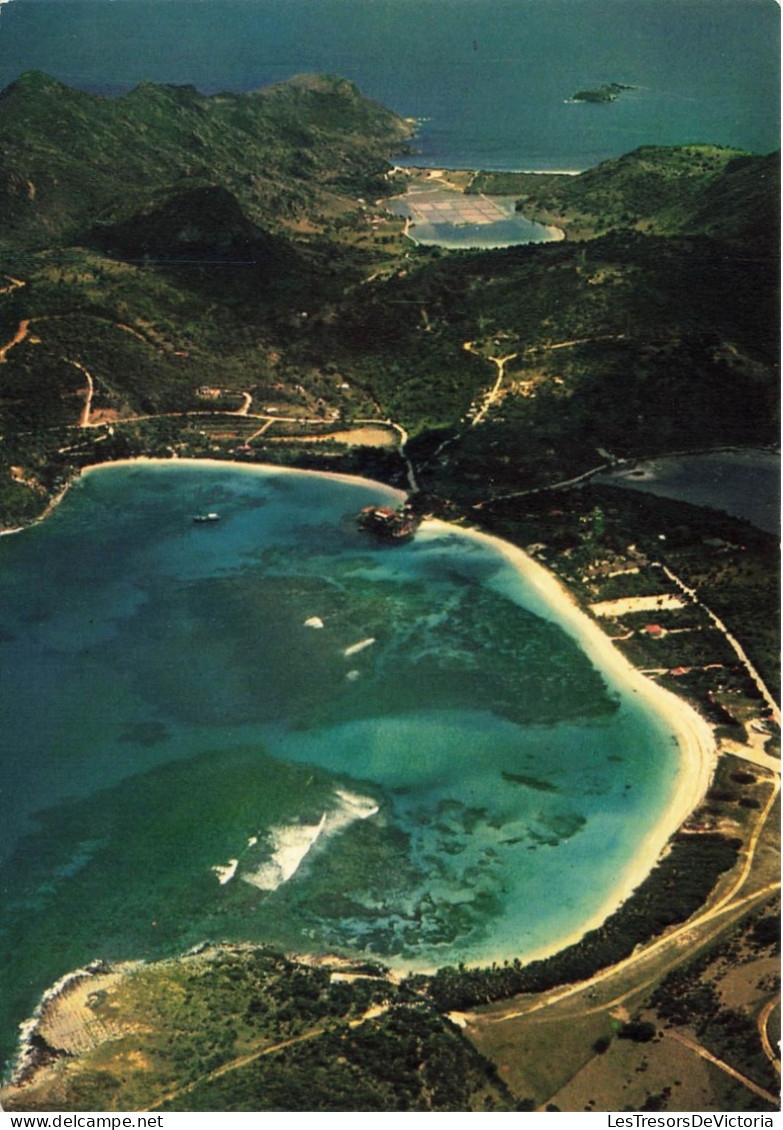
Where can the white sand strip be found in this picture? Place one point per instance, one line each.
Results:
(392, 494)
(623, 606)
(694, 735)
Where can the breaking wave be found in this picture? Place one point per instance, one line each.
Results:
(291, 843)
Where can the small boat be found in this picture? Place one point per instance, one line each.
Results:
(211, 517)
(397, 525)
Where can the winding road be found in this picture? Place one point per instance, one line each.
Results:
(249, 1057)
(17, 339)
(491, 396)
(89, 392)
(243, 411)
(763, 1021)
(13, 284)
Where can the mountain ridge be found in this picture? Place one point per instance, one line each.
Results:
(68, 157)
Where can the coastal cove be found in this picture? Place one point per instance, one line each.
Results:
(423, 753)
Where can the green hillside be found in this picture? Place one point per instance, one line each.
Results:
(243, 1028)
(662, 190)
(166, 236)
(70, 159)
(667, 335)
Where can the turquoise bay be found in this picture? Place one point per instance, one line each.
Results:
(275, 728)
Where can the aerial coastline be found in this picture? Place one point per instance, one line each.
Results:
(693, 734)
(479, 384)
(696, 739)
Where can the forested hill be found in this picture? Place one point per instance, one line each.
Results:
(70, 159)
(154, 241)
(664, 190)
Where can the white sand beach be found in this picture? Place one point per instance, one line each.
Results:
(694, 735)
(245, 468)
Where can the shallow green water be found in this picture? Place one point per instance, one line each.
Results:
(186, 758)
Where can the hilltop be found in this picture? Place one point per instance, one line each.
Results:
(661, 190)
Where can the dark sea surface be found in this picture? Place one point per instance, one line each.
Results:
(490, 78)
(431, 770)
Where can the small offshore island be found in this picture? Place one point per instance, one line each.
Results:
(608, 92)
(260, 304)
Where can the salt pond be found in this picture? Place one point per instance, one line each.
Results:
(745, 484)
(442, 217)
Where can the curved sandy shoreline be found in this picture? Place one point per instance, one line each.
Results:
(249, 468)
(698, 749)
(159, 461)
(693, 734)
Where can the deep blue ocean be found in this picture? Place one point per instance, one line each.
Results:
(490, 78)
